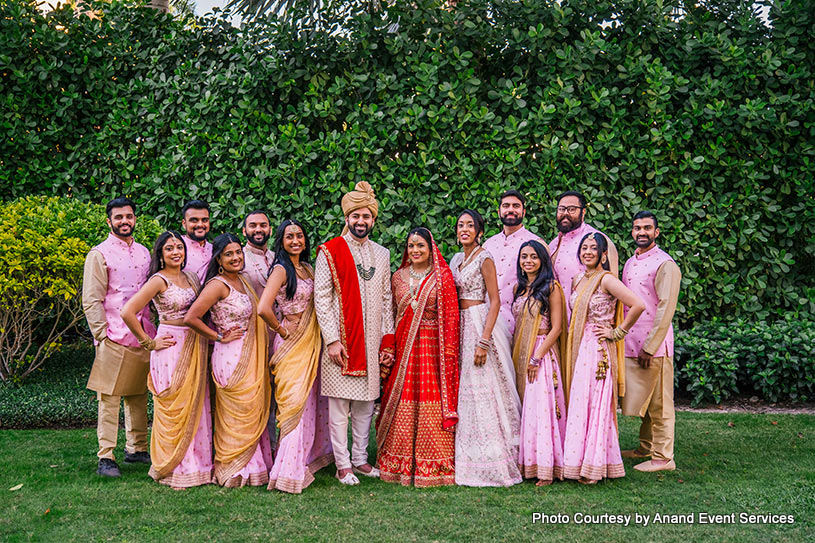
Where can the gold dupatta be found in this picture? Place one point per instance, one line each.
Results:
(390, 403)
(580, 312)
(294, 366)
(526, 334)
(178, 408)
(242, 405)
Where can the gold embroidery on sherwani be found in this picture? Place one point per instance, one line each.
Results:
(248, 392)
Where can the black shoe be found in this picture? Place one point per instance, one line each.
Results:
(108, 468)
(141, 457)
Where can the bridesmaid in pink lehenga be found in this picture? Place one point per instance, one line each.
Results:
(592, 448)
(540, 313)
(181, 440)
(287, 306)
(243, 390)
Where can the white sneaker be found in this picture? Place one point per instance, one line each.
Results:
(373, 473)
(350, 479)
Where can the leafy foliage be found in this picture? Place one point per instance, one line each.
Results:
(699, 111)
(773, 360)
(45, 241)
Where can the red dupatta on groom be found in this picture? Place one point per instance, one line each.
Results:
(344, 276)
(408, 319)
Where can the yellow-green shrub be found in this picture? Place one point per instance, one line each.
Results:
(44, 241)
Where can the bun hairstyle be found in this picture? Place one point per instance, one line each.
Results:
(541, 287)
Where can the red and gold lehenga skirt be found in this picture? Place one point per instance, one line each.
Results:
(417, 451)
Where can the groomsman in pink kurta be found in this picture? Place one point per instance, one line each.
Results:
(571, 211)
(649, 346)
(504, 248)
(195, 223)
(114, 271)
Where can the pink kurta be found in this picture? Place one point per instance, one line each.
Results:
(258, 264)
(504, 250)
(127, 267)
(198, 257)
(639, 275)
(236, 310)
(196, 466)
(564, 251)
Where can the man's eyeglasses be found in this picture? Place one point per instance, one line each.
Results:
(571, 210)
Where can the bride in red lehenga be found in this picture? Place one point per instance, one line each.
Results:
(415, 432)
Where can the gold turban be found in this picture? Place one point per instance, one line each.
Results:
(361, 196)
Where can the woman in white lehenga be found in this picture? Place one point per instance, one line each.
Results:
(489, 408)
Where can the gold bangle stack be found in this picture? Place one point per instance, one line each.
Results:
(618, 333)
(148, 344)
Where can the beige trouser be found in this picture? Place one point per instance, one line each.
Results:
(107, 425)
(361, 414)
(649, 394)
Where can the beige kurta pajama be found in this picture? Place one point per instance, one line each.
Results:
(118, 372)
(649, 393)
(352, 395)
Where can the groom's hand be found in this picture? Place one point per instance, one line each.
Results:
(336, 353)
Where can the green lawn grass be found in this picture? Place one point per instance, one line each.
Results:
(759, 464)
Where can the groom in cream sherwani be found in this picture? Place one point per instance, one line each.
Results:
(352, 297)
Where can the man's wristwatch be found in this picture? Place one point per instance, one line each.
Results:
(219, 338)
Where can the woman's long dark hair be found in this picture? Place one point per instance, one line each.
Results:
(157, 258)
(218, 247)
(282, 257)
(602, 248)
(541, 287)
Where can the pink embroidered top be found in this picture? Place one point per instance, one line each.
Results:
(299, 302)
(125, 271)
(198, 257)
(234, 310)
(654, 277)
(601, 306)
(504, 250)
(173, 303)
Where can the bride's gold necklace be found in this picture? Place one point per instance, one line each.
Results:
(416, 279)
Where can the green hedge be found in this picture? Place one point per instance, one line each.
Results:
(706, 118)
(772, 360)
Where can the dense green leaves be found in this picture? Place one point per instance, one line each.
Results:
(774, 360)
(45, 241)
(707, 118)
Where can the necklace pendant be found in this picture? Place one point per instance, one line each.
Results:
(414, 304)
(366, 273)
